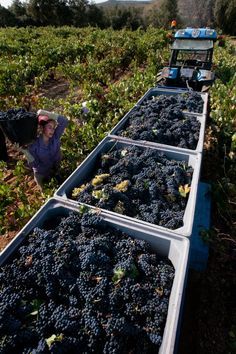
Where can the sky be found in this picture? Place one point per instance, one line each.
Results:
(7, 3)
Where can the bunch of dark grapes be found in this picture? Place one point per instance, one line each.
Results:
(189, 101)
(68, 290)
(16, 114)
(148, 188)
(161, 120)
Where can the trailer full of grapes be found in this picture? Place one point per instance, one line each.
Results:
(102, 266)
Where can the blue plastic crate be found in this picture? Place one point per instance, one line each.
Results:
(202, 220)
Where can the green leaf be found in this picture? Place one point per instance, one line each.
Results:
(54, 338)
(122, 186)
(77, 191)
(124, 152)
(184, 190)
(100, 194)
(98, 179)
(34, 313)
(119, 273)
(36, 303)
(83, 209)
(155, 131)
(133, 271)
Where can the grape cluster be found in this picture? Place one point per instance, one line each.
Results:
(140, 183)
(16, 114)
(83, 287)
(161, 119)
(12, 121)
(189, 101)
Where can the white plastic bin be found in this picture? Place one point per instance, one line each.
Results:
(87, 170)
(199, 148)
(174, 247)
(157, 91)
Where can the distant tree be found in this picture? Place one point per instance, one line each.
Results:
(225, 15)
(209, 18)
(168, 12)
(48, 12)
(118, 19)
(7, 18)
(121, 17)
(96, 17)
(151, 14)
(39, 11)
(78, 9)
(202, 18)
(62, 13)
(18, 9)
(136, 19)
(161, 13)
(152, 17)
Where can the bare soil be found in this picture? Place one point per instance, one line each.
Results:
(210, 304)
(54, 88)
(31, 192)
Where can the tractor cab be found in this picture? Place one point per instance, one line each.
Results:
(190, 64)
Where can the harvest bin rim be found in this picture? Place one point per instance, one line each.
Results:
(175, 91)
(199, 148)
(175, 247)
(83, 171)
(201, 117)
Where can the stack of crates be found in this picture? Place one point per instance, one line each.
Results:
(174, 244)
(197, 212)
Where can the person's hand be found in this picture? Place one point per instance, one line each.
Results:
(42, 118)
(50, 115)
(17, 147)
(25, 151)
(28, 155)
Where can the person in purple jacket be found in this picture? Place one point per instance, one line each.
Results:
(44, 154)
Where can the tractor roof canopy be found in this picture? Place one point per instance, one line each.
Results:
(196, 33)
(192, 44)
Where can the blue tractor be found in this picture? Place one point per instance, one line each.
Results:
(190, 64)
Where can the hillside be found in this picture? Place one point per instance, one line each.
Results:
(127, 3)
(190, 11)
